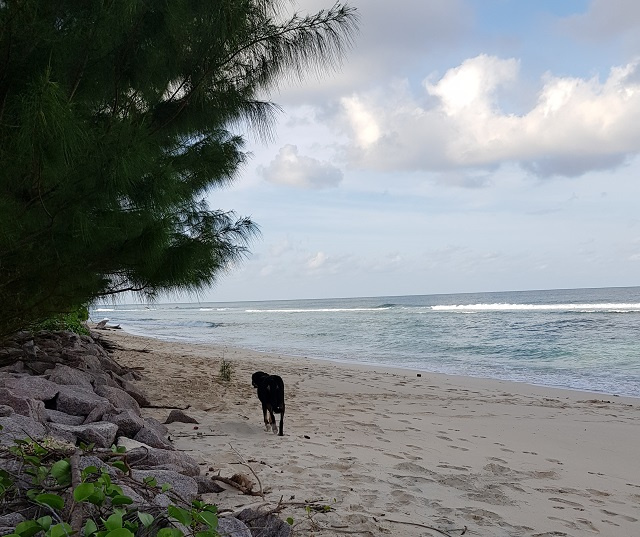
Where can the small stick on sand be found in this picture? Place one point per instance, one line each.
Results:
(244, 463)
(442, 532)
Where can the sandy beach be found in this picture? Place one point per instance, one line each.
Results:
(394, 453)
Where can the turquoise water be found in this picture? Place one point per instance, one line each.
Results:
(586, 339)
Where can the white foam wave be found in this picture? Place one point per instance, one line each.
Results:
(616, 308)
(313, 310)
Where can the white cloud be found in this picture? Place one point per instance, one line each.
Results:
(576, 124)
(291, 169)
(316, 261)
(363, 123)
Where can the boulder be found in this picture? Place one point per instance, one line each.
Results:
(15, 367)
(102, 433)
(91, 460)
(132, 375)
(152, 437)
(184, 486)
(265, 525)
(32, 387)
(5, 411)
(140, 455)
(207, 485)
(78, 400)
(232, 527)
(98, 412)
(179, 416)
(23, 405)
(118, 398)
(63, 374)
(138, 500)
(135, 392)
(153, 423)
(109, 364)
(20, 427)
(30, 349)
(60, 417)
(128, 422)
(39, 367)
(9, 522)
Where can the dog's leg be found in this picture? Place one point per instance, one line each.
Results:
(281, 421)
(274, 427)
(264, 415)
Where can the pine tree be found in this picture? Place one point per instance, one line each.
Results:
(116, 117)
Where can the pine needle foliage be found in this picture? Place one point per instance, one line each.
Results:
(117, 117)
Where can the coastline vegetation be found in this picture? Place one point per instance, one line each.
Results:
(116, 119)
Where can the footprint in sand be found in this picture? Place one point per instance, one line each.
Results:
(596, 492)
(623, 517)
(458, 447)
(461, 468)
(579, 524)
(445, 438)
(567, 502)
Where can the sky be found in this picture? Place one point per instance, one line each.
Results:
(462, 146)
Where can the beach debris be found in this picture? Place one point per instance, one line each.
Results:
(243, 481)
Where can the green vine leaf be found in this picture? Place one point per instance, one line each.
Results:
(61, 472)
(145, 518)
(119, 532)
(120, 465)
(83, 491)
(52, 500)
(121, 499)
(45, 522)
(114, 522)
(210, 519)
(181, 515)
(89, 528)
(28, 528)
(60, 530)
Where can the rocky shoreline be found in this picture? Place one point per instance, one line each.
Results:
(65, 386)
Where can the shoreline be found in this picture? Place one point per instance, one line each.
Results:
(399, 452)
(390, 368)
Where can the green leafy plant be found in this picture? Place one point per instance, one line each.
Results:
(226, 369)
(74, 321)
(109, 512)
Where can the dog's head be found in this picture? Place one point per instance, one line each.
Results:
(257, 378)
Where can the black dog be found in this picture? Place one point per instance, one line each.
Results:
(271, 395)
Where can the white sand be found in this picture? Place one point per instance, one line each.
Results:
(385, 447)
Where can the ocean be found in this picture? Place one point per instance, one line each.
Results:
(586, 339)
